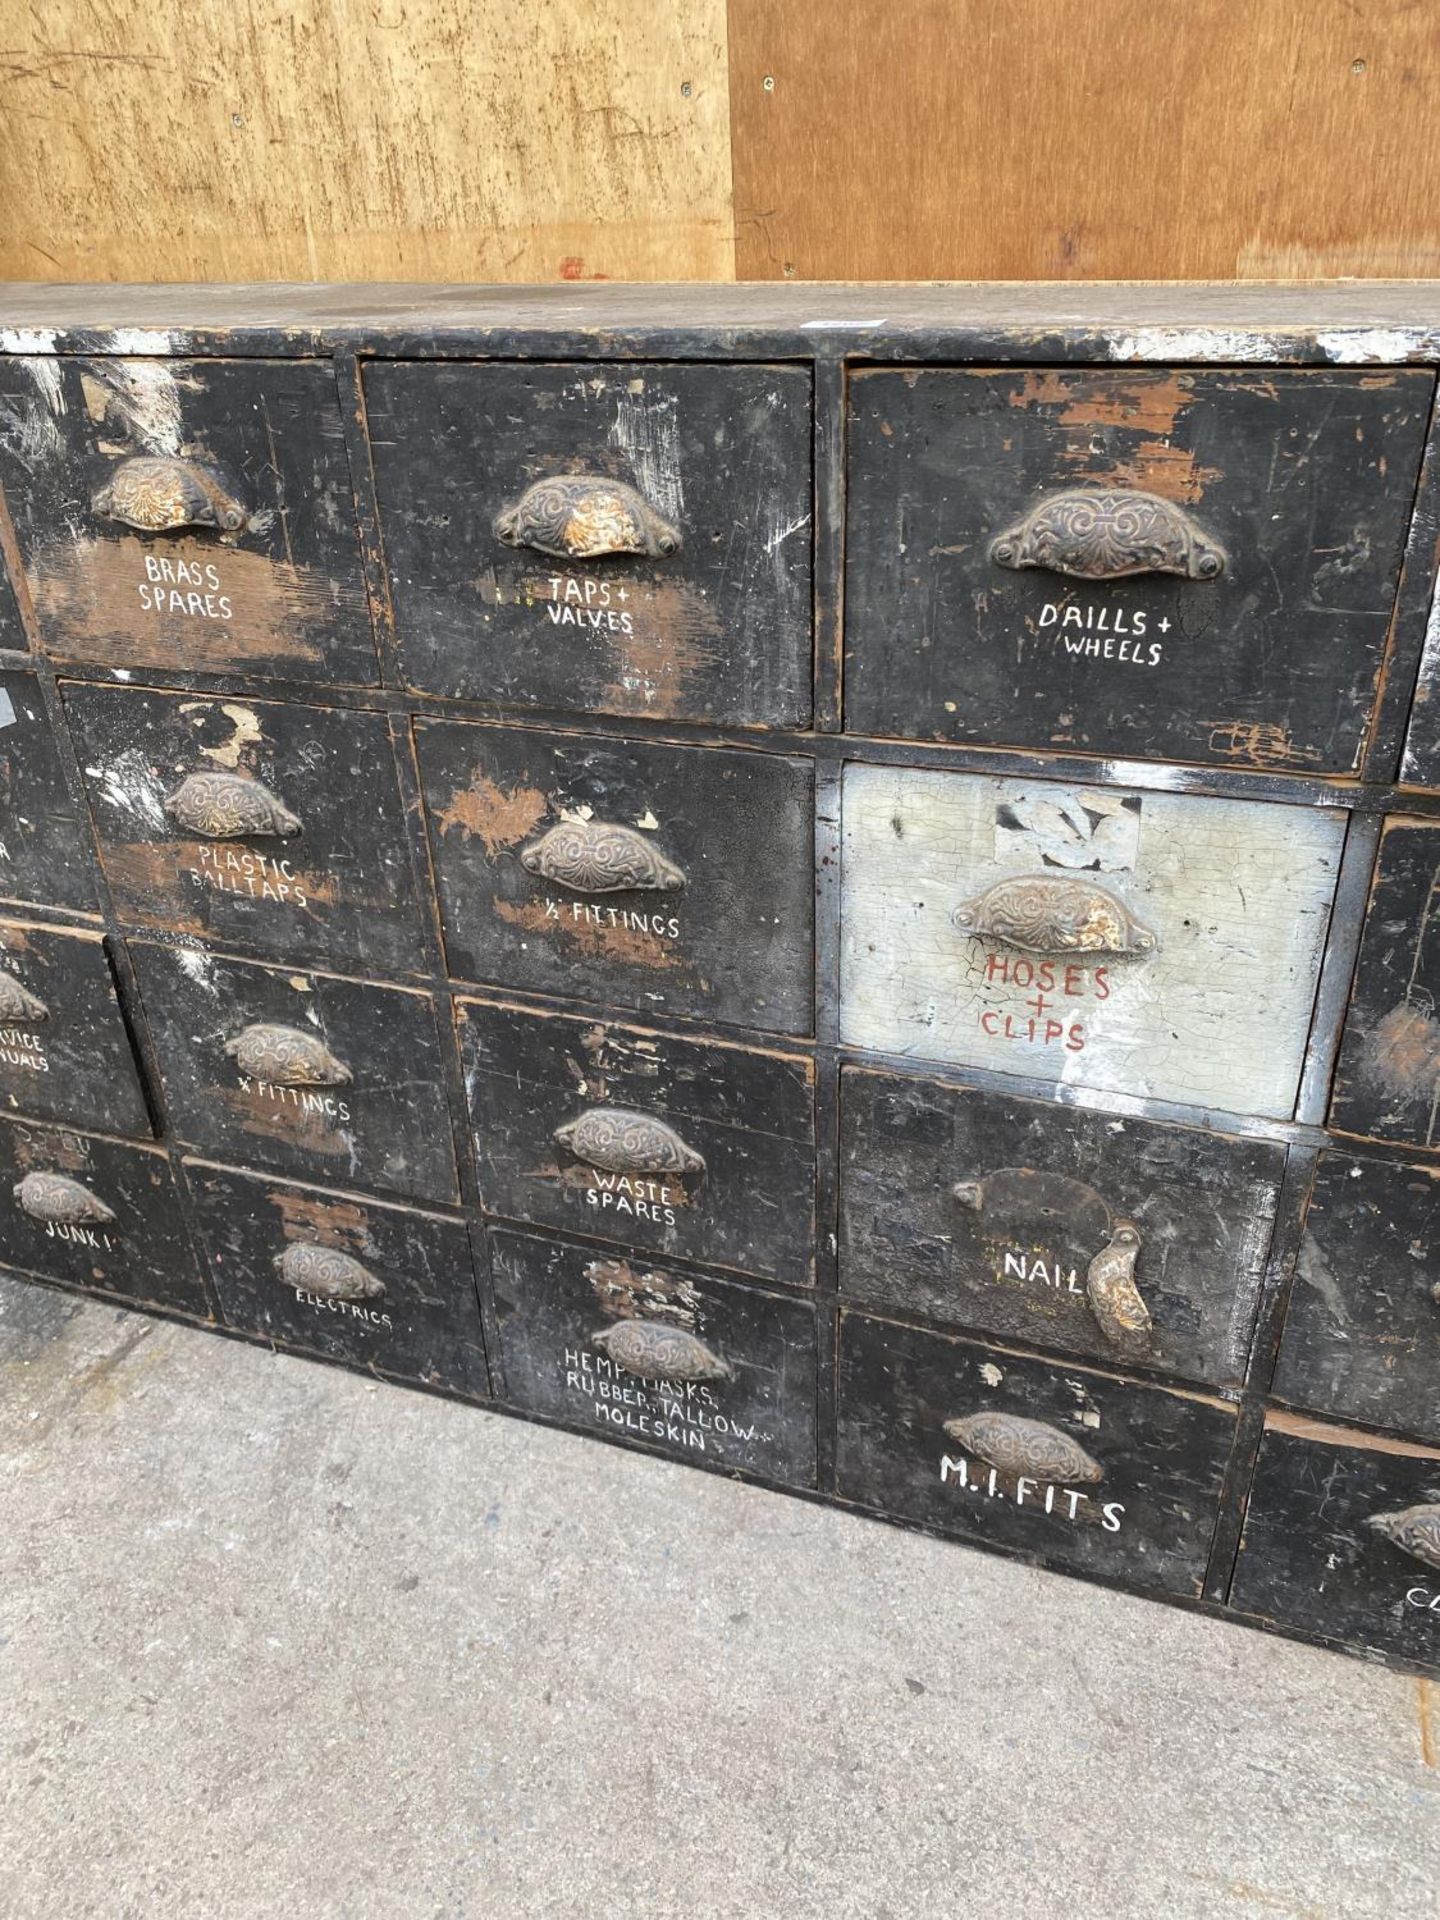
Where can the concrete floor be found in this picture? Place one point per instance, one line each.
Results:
(274, 1640)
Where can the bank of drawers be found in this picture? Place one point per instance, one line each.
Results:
(436, 937)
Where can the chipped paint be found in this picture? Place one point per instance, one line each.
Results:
(246, 731)
(647, 430)
(1190, 343)
(197, 965)
(144, 399)
(1361, 346)
(130, 785)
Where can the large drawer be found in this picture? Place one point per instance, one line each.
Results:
(1182, 564)
(1332, 1545)
(187, 514)
(666, 879)
(700, 1148)
(274, 828)
(304, 1074)
(46, 857)
(1146, 943)
(1088, 1470)
(709, 1370)
(1123, 1240)
(1387, 1084)
(389, 1289)
(65, 1051)
(627, 539)
(95, 1213)
(1362, 1330)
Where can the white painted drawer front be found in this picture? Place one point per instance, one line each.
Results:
(1223, 904)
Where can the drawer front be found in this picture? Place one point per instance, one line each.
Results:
(1388, 1078)
(683, 594)
(379, 1287)
(97, 1214)
(582, 1335)
(300, 1073)
(65, 1052)
(45, 852)
(1362, 1331)
(667, 879)
(1123, 1240)
(273, 828)
(673, 1146)
(188, 515)
(1312, 1557)
(986, 602)
(1153, 944)
(1119, 1480)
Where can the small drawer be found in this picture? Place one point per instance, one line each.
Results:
(693, 1147)
(1089, 1471)
(46, 857)
(301, 1073)
(273, 828)
(188, 515)
(1387, 1084)
(1362, 1331)
(600, 539)
(667, 879)
(65, 1052)
(713, 1372)
(97, 1214)
(1145, 943)
(1177, 564)
(1342, 1538)
(1123, 1240)
(388, 1289)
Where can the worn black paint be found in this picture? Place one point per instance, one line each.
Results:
(291, 582)
(749, 1114)
(1306, 479)
(1163, 1454)
(734, 945)
(1309, 1561)
(145, 1255)
(828, 333)
(78, 1067)
(1362, 1329)
(388, 1128)
(45, 852)
(1204, 1205)
(718, 631)
(334, 769)
(1388, 1079)
(425, 1328)
(552, 1295)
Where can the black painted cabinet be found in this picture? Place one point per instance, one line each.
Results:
(839, 891)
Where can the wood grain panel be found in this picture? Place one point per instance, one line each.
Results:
(1099, 139)
(359, 139)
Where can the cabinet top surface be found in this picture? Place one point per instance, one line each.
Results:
(1350, 321)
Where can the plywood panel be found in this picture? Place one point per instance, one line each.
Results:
(1086, 138)
(358, 139)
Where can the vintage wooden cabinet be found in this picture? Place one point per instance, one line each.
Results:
(838, 889)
